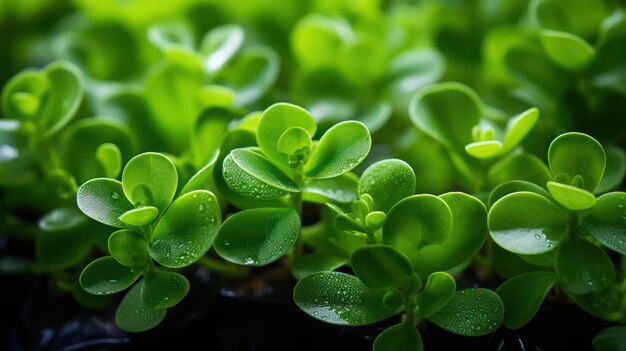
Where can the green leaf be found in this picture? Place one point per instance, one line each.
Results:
(296, 143)
(275, 120)
(387, 182)
(168, 36)
(186, 230)
(576, 154)
(484, 149)
(103, 200)
(571, 197)
(527, 223)
(471, 312)
(62, 219)
(469, 231)
(515, 186)
(220, 45)
(522, 296)
(343, 147)
(610, 339)
(615, 170)
(607, 221)
(274, 232)
(583, 267)
(315, 40)
(208, 133)
(439, 290)
(519, 167)
(342, 189)
(403, 336)
(417, 221)
(339, 298)
(253, 176)
(436, 107)
(128, 247)
(133, 316)
(305, 265)
(518, 127)
(106, 276)
(64, 248)
(141, 216)
(163, 290)
(203, 179)
(150, 179)
(605, 304)
(252, 74)
(381, 266)
(567, 50)
(110, 157)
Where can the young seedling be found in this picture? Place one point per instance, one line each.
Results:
(563, 230)
(154, 227)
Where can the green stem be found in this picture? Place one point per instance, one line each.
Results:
(572, 227)
(296, 202)
(223, 268)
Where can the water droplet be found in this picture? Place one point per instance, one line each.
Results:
(201, 208)
(226, 243)
(115, 195)
(249, 260)
(537, 236)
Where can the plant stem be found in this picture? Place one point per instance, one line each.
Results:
(226, 269)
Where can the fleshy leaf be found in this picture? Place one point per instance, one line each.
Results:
(110, 157)
(607, 221)
(133, 316)
(186, 230)
(343, 147)
(610, 339)
(571, 197)
(274, 232)
(129, 247)
(522, 296)
(515, 186)
(106, 276)
(138, 217)
(471, 312)
(305, 265)
(439, 290)
(583, 267)
(518, 127)
(339, 298)
(387, 182)
(417, 221)
(484, 149)
(342, 189)
(381, 266)
(403, 336)
(577, 154)
(150, 179)
(220, 45)
(161, 290)
(567, 50)
(615, 170)
(103, 200)
(527, 223)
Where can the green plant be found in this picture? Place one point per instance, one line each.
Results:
(563, 230)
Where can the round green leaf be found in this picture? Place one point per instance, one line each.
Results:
(484, 149)
(274, 232)
(293, 140)
(571, 197)
(252, 175)
(103, 200)
(64, 247)
(381, 266)
(610, 339)
(567, 50)
(220, 45)
(583, 267)
(515, 186)
(186, 230)
(343, 147)
(471, 312)
(522, 296)
(110, 157)
(133, 316)
(417, 221)
(161, 290)
(469, 231)
(527, 223)
(607, 221)
(106, 276)
(339, 298)
(129, 248)
(275, 121)
(166, 36)
(606, 304)
(439, 290)
(252, 74)
(150, 179)
(140, 216)
(437, 107)
(518, 127)
(578, 154)
(342, 189)
(615, 170)
(62, 219)
(403, 336)
(387, 182)
(519, 167)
